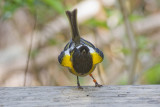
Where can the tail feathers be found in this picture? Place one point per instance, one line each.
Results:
(72, 17)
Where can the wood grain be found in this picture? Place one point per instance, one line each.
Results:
(106, 96)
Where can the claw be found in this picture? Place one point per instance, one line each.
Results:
(79, 87)
(78, 84)
(98, 85)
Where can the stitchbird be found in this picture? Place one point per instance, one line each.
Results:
(79, 55)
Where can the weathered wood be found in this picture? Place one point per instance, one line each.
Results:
(107, 96)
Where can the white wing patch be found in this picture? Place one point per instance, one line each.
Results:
(67, 52)
(91, 50)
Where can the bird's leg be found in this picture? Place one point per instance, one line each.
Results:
(78, 84)
(96, 83)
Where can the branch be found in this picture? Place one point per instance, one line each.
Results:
(132, 42)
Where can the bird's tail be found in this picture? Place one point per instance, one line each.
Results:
(72, 17)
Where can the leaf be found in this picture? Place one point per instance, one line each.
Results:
(55, 4)
(52, 42)
(152, 76)
(142, 42)
(95, 23)
(34, 53)
(126, 51)
(134, 17)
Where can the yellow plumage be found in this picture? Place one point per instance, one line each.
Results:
(79, 55)
(66, 61)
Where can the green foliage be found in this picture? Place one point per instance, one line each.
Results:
(114, 14)
(118, 14)
(134, 17)
(55, 4)
(34, 53)
(142, 42)
(111, 12)
(52, 42)
(152, 76)
(126, 51)
(10, 6)
(96, 23)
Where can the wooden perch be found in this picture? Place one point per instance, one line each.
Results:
(111, 96)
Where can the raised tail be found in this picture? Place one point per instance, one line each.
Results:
(72, 17)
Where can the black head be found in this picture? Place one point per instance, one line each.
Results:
(82, 60)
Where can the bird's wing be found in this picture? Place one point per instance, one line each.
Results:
(67, 46)
(65, 59)
(97, 56)
(85, 42)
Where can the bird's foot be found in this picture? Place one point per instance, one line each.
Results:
(79, 87)
(98, 85)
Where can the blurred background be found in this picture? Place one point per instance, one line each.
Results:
(127, 31)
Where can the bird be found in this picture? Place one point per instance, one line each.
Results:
(79, 55)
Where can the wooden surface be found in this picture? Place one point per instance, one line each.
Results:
(106, 96)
